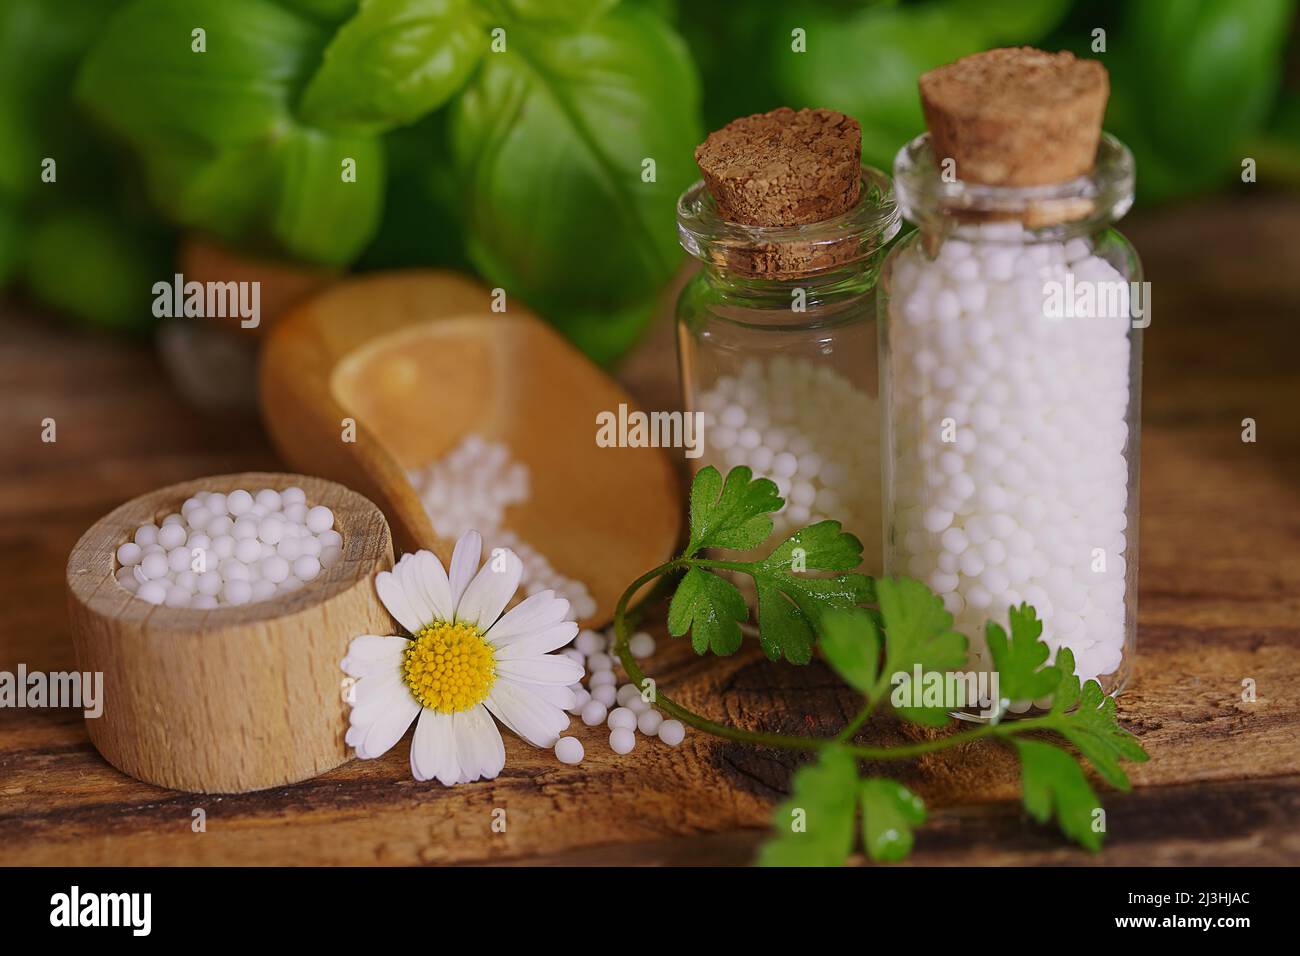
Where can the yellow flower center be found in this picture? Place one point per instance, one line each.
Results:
(449, 667)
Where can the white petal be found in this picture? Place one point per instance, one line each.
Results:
(410, 572)
(392, 592)
(374, 695)
(539, 642)
(542, 669)
(369, 654)
(561, 697)
(464, 564)
(432, 581)
(528, 715)
(479, 748)
(374, 731)
(433, 749)
(534, 613)
(491, 590)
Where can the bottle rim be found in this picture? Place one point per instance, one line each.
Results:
(1076, 206)
(838, 241)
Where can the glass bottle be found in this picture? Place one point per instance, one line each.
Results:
(777, 348)
(1011, 359)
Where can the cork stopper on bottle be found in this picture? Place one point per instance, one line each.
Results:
(783, 168)
(1016, 117)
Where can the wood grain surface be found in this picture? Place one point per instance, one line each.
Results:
(1219, 605)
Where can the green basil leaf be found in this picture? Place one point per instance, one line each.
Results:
(558, 9)
(314, 206)
(330, 11)
(395, 61)
(550, 141)
(221, 148)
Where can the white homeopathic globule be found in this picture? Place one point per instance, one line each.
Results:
(1010, 476)
(227, 550)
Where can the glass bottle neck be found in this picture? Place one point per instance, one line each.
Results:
(944, 206)
(822, 290)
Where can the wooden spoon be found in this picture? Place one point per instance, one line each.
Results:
(419, 361)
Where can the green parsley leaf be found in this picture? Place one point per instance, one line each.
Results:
(711, 608)
(733, 514)
(918, 631)
(815, 826)
(889, 811)
(1055, 785)
(823, 546)
(791, 603)
(1021, 674)
(851, 644)
(1093, 725)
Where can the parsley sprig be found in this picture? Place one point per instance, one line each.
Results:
(868, 632)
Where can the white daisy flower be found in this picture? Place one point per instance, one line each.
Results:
(466, 660)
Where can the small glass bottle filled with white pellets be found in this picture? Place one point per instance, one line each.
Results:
(1010, 368)
(777, 352)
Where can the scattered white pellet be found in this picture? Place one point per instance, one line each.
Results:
(588, 643)
(622, 740)
(622, 717)
(641, 645)
(672, 732)
(649, 721)
(602, 677)
(593, 713)
(569, 750)
(627, 693)
(580, 698)
(604, 693)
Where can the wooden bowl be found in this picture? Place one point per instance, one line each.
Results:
(233, 699)
(419, 361)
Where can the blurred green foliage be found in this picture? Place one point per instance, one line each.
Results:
(522, 154)
(75, 233)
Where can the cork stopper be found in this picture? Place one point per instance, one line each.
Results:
(1017, 116)
(783, 168)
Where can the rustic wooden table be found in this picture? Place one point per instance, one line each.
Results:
(1220, 605)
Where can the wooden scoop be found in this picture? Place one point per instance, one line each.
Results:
(419, 361)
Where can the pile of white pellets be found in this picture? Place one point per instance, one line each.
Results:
(622, 708)
(1024, 499)
(227, 550)
(811, 431)
(470, 488)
